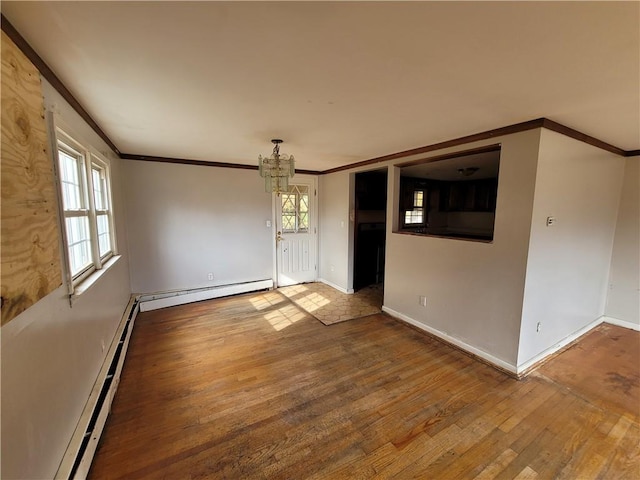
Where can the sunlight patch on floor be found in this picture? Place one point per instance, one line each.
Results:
(266, 300)
(283, 317)
(313, 302)
(295, 289)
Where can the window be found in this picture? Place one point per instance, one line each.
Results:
(295, 209)
(86, 207)
(452, 196)
(103, 213)
(416, 214)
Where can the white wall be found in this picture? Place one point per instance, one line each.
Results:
(623, 302)
(186, 221)
(335, 229)
(51, 353)
(473, 289)
(568, 263)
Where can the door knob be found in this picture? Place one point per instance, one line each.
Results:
(279, 236)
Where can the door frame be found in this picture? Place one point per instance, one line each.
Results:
(313, 224)
(353, 219)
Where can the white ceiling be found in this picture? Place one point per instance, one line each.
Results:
(487, 163)
(339, 82)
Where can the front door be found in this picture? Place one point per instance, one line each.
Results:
(296, 234)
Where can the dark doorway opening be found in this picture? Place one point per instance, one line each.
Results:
(370, 228)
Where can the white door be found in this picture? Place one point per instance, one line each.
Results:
(296, 233)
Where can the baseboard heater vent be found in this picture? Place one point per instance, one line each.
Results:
(154, 301)
(77, 459)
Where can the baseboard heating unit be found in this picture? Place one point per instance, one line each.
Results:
(154, 301)
(77, 459)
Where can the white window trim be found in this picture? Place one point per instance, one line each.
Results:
(96, 159)
(416, 209)
(60, 133)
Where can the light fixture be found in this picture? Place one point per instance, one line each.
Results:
(276, 169)
(467, 171)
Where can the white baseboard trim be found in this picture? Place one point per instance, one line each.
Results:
(558, 346)
(621, 323)
(454, 341)
(348, 291)
(181, 297)
(84, 441)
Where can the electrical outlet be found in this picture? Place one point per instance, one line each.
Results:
(102, 345)
(551, 221)
(210, 276)
(422, 300)
(332, 268)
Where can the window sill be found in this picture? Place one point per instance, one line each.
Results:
(93, 279)
(468, 238)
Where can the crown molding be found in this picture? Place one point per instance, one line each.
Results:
(575, 134)
(202, 163)
(185, 161)
(497, 132)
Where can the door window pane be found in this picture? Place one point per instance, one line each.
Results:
(303, 213)
(288, 212)
(295, 209)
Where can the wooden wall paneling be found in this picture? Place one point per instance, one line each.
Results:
(30, 251)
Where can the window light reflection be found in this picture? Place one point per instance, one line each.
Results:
(266, 300)
(283, 317)
(312, 302)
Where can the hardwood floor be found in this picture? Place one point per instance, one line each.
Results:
(253, 387)
(604, 367)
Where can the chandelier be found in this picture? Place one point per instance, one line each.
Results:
(276, 169)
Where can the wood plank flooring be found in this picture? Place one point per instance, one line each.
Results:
(252, 387)
(603, 366)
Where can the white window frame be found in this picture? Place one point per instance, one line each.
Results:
(91, 159)
(415, 216)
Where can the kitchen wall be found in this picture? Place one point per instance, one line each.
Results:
(471, 222)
